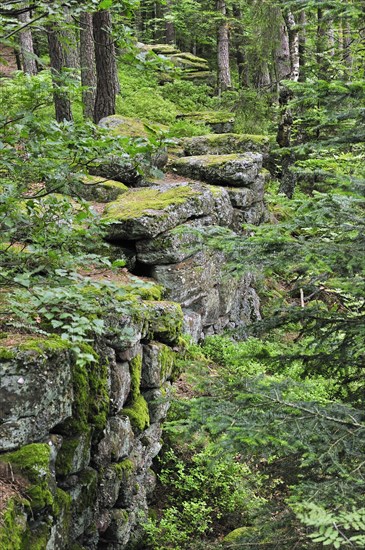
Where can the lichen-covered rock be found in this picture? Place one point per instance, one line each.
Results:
(165, 321)
(225, 144)
(189, 281)
(158, 364)
(83, 491)
(228, 170)
(219, 121)
(206, 78)
(242, 197)
(117, 441)
(36, 389)
(120, 385)
(118, 168)
(118, 533)
(158, 402)
(193, 325)
(254, 215)
(94, 188)
(74, 454)
(124, 126)
(189, 62)
(145, 213)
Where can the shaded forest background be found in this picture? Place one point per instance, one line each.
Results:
(266, 434)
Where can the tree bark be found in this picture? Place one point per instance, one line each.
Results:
(106, 68)
(282, 55)
(224, 73)
(26, 46)
(70, 45)
(288, 178)
(169, 24)
(87, 62)
(239, 42)
(57, 58)
(302, 43)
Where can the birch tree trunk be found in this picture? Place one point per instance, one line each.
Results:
(224, 73)
(106, 68)
(57, 59)
(87, 62)
(26, 46)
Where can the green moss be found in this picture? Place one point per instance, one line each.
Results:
(137, 203)
(93, 180)
(190, 57)
(138, 414)
(91, 396)
(124, 469)
(32, 461)
(38, 538)
(135, 367)
(209, 117)
(62, 503)
(12, 526)
(167, 360)
(147, 291)
(235, 536)
(165, 320)
(39, 345)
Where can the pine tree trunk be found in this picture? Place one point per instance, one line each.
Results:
(87, 62)
(70, 45)
(224, 73)
(57, 59)
(169, 25)
(26, 46)
(302, 43)
(106, 68)
(293, 47)
(239, 42)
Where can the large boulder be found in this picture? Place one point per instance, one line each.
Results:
(148, 212)
(36, 388)
(220, 122)
(228, 170)
(94, 188)
(225, 144)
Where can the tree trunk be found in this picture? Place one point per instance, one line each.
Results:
(26, 46)
(169, 24)
(106, 68)
(224, 73)
(282, 55)
(69, 41)
(87, 62)
(57, 58)
(302, 43)
(239, 42)
(288, 178)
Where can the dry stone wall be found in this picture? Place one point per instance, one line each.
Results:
(78, 438)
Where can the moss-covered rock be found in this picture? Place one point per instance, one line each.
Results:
(147, 212)
(74, 454)
(36, 388)
(190, 62)
(84, 497)
(219, 121)
(225, 144)
(158, 364)
(13, 525)
(206, 78)
(138, 414)
(165, 320)
(227, 170)
(160, 49)
(33, 462)
(121, 125)
(95, 188)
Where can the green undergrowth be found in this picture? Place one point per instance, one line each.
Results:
(241, 414)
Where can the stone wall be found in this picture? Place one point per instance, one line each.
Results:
(78, 438)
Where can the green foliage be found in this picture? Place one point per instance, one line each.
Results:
(202, 493)
(340, 529)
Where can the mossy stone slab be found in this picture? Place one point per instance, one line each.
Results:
(220, 122)
(147, 212)
(36, 389)
(225, 144)
(94, 188)
(228, 170)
